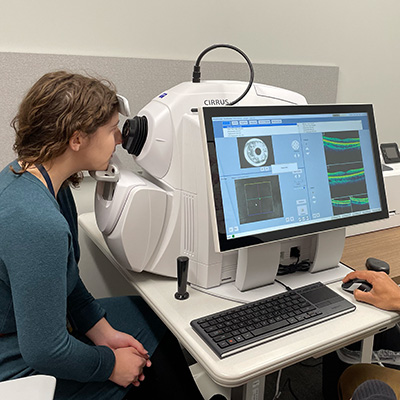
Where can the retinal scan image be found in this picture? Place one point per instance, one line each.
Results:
(346, 174)
(255, 151)
(258, 199)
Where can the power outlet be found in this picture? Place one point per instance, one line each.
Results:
(295, 252)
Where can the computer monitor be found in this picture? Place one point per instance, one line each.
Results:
(279, 172)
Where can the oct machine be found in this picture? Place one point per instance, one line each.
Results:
(225, 185)
(152, 218)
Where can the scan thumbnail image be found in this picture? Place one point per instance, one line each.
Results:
(342, 147)
(345, 170)
(348, 204)
(255, 151)
(348, 188)
(346, 179)
(258, 199)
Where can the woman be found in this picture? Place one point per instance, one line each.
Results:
(68, 123)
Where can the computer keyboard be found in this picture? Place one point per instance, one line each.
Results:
(245, 326)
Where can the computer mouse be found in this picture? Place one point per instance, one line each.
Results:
(373, 264)
(354, 284)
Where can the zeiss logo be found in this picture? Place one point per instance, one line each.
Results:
(216, 102)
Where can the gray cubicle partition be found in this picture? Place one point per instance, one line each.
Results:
(142, 79)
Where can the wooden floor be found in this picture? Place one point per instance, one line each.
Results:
(383, 244)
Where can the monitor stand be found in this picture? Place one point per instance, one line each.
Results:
(328, 251)
(257, 267)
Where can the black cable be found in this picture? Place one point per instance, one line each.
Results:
(288, 288)
(291, 268)
(289, 385)
(197, 73)
(291, 390)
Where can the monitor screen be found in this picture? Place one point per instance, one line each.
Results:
(284, 171)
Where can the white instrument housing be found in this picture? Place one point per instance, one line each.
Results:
(150, 219)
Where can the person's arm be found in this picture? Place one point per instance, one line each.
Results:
(86, 315)
(83, 310)
(36, 252)
(385, 293)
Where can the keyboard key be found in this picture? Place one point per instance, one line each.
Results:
(222, 337)
(248, 335)
(269, 328)
(216, 333)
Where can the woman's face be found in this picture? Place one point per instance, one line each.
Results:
(101, 145)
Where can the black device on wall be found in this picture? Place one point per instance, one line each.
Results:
(390, 153)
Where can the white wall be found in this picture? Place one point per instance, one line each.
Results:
(359, 36)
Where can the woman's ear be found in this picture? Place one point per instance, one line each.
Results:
(76, 141)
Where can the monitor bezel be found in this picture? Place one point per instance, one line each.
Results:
(222, 243)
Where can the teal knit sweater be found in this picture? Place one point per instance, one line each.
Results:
(40, 287)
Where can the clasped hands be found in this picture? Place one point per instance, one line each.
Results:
(130, 355)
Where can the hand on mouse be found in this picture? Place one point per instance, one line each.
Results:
(385, 293)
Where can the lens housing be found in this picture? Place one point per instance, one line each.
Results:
(134, 134)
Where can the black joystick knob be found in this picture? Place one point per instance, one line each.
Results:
(375, 264)
(182, 272)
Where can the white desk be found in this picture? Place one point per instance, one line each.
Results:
(242, 368)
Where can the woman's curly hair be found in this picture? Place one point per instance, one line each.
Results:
(58, 105)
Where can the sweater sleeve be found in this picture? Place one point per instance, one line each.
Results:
(83, 310)
(38, 256)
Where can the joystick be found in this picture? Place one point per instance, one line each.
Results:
(182, 272)
(373, 264)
